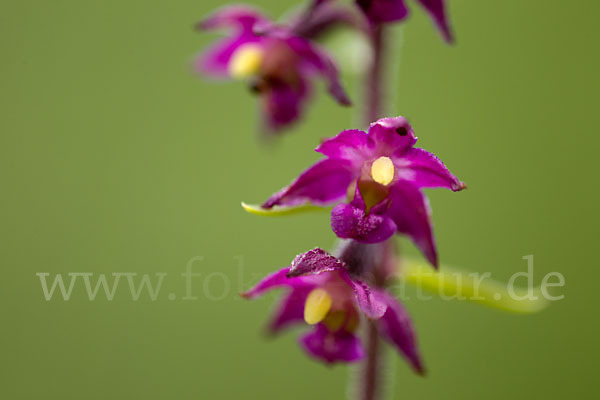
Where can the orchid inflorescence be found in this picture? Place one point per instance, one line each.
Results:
(373, 179)
(280, 61)
(376, 178)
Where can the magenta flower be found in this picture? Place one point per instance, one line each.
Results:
(381, 11)
(279, 65)
(382, 173)
(322, 293)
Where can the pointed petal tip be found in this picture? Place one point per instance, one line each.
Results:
(340, 96)
(250, 208)
(344, 99)
(201, 25)
(434, 259)
(449, 37)
(459, 186)
(255, 209)
(268, 210)
(270, 331)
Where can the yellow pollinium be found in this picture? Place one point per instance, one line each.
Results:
(317, 305)
(246, 61)
(382, 170)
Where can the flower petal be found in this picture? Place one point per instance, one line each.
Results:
(291, 310)
(322, 64)
(283, 103)
(426, 170)
(396, 327)
(332, 347)
(353, 145)
(410, 211)
(324, 183)
(392, 136)
(369, 301)
(379, 11)
(272, 281)
(437, 11)
(320, 19)
(214, 61)
(240, 16)
(349, 222)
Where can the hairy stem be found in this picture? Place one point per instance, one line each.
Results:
(370, 380)
(374, 78)
(371, 372)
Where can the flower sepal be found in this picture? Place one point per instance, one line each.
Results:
(280, 211)
(458, 284)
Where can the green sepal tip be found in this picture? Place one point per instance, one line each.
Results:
(279, 211)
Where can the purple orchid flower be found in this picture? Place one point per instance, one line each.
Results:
(382, 11)
(279, 65)
(322, 293)
(382, 172)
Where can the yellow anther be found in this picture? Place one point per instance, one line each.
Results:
(246, 61)
(317, 306)
(382, 170)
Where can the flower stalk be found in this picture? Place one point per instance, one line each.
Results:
(371, 372)
(370, 380)
(375, 74)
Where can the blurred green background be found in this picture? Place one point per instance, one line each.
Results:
(115, 158)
